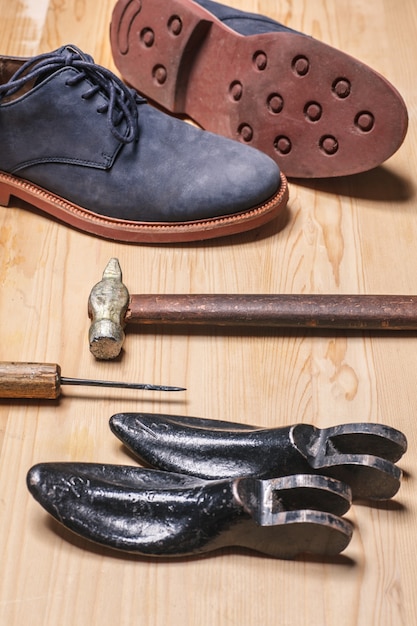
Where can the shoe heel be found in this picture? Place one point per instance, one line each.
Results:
(156, 55)
(4, 194)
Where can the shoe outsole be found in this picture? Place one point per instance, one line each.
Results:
(315, 110)
(141, 232)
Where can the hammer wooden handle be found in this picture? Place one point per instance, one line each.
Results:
(30, 380)
(291, 311)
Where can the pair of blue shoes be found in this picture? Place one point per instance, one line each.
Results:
(82, 146)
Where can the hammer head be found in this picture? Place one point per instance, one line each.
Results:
(107, 306)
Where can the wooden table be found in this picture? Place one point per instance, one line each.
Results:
(353, 235)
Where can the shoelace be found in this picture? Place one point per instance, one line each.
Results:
(122, 101)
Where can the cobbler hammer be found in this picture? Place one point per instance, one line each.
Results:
(111, 308)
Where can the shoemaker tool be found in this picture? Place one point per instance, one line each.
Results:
(361, 455)
(111, 308)
(155, 513)
(44, 380)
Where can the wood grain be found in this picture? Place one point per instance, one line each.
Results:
(355, 235)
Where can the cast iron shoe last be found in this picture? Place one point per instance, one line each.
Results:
(317, 111)
(81, 146)
(362, 455)
(154, 513)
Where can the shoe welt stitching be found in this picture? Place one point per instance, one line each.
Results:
(52, 199)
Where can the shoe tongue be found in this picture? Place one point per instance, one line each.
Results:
(25, 76)
(68, 53)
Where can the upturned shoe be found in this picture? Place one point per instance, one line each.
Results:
(315, 110)
(82, 147)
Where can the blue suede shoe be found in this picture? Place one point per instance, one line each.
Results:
(82, 147)
(315, 110)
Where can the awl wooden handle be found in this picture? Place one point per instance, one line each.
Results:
(30, 380)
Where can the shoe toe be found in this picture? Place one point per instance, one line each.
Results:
(203, 176)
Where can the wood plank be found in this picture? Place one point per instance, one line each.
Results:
(353, 235)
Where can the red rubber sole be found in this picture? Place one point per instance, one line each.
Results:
(141, 232)
(315, 110)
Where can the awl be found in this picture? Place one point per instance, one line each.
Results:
(44, 380)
